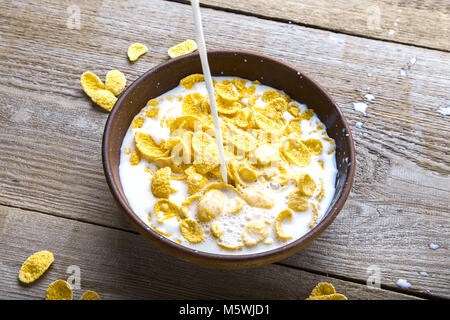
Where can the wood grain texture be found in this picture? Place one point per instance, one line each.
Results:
(123, 265)
(420, 23)
(51, 133)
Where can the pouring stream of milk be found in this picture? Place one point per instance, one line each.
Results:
(209, 84)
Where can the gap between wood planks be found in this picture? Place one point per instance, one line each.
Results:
(283, 20)
(281, 264)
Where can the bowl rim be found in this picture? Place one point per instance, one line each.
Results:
(293, 246)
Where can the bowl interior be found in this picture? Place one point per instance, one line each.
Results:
(245, 65)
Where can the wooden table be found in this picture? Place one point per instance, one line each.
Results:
(53, 193)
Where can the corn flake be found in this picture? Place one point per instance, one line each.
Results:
(234, 205)
(160, 185)
(298, 202)
(91, 83)
(138, 121)
(115, 82)
(297, 152)
(183, 48)
(315, 145)
(165, 209)
(283, 215)
(306, 185)
(59, 290)
(248, 174)
(135, 158)
(258, 198)
(255, 232)
(226, 92)
(90, 295)
(104, 98)
(217, 229)
(206, 153)
(189, 81)
(274, 109)
(147, 147)
(192, 231)
(325, 291)
(211, 205)
(35, 266)
(136, 50)
(196, 182)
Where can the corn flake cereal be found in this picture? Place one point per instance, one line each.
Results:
(135, 158)
(35, 266)
(283, 215)
(306, 185)
(147, 147)
(115, 82)
(91, 83)
(189, 81)
(325, 291)
(59, 290)
(192, 231)
(298, 202)
(297, 152)
(104, 98)
(160, 185)
(183, 48)
(90, 295)
(136, 50)
(217, 229)
(211, 205)
(165, 209)
(255, 232)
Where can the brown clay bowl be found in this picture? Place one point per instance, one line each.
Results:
(249, 66)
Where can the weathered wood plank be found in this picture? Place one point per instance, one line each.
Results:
(122, 265)
(51, 135)
(418, 22)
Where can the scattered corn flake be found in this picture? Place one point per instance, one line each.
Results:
(283, 215)
(252, 100)
(153, 102)
(306, 115)
(297, 152)
(298, 202)
(274, 109)
(270, 94)
(335, 296)
(211, 205)
(315, 216)
(189, 81)
(165, 209)
(159, 231)
(258, 198)
(191, 106)
(264, 123)
(160, 185)
(228, 246)
(306, 185)
(256, 82)
(234, 205)
(248, 174)
(226, 92)
(136, 50)
(333, 144)
(104, 98)
(90, 295)
(325, 291)
(241, 139)
(196, 182)
(315, 145)
(115, 82)
(59, 290)
(293, 109)
(217, 229)
(152, 112)
(147, 147)
(135, 158)
(192, 231)
(183, 48)
(91, 83)
(35, 266)
(255, 232)
(138, 121)
(206, 153)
